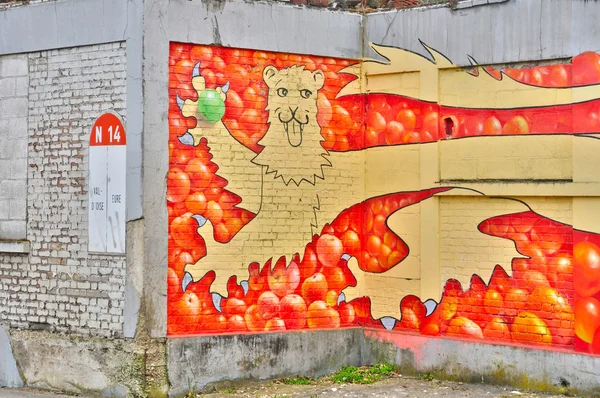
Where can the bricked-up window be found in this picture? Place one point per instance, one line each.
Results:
(13, 146)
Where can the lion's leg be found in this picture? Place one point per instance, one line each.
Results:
(225, 259)
(361, 289)
(195, 272)
(234, 258)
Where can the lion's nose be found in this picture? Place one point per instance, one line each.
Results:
(293, 111)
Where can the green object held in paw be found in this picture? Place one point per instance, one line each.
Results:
(211, 106)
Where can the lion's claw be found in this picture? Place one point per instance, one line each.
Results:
(180, 102)
(430, 305)
(216, 298)
(341, 297)
(186, 280)
(200, 219)
(196, 71)
(245, 286)
(388, 322)
(186, 139)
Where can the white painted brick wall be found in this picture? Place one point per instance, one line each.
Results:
(59, 285)
(13, 146)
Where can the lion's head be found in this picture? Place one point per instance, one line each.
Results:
(292, 145)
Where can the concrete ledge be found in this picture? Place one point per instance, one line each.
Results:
(77, 364)
(527, 368)
(194, 363)
(14, 246)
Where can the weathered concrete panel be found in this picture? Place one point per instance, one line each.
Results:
(135, 108)
(266, 26)
(135, 277)
(130, 311)
(60, 24)
(156, 160)
(9, 374)
(193, 363)
(59, 365)
(470, 361)
(58, 362)
(513, 31)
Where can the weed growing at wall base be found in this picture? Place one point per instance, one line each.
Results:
(363, 375)
(299, 381)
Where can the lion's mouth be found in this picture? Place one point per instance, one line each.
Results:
(294, 130)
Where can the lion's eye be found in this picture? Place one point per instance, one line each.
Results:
(282, 92)
(305, 93)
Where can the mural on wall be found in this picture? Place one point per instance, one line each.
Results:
(271, 227)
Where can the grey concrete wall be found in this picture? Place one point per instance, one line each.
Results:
(135, 108)
(73, 23)
(265, 26)
(475, 362)
(194, 363)
(513, 31)
(60, 24)
(199, 362)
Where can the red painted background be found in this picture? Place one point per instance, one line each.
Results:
(539, 304)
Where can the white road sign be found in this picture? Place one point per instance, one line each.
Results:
(107, 176)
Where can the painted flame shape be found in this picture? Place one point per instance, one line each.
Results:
(438, 80)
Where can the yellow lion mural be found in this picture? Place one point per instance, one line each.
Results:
(294, 186)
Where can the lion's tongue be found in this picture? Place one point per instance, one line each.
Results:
(294, 132)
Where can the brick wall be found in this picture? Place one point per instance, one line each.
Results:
(59, 285)
(13, 146)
